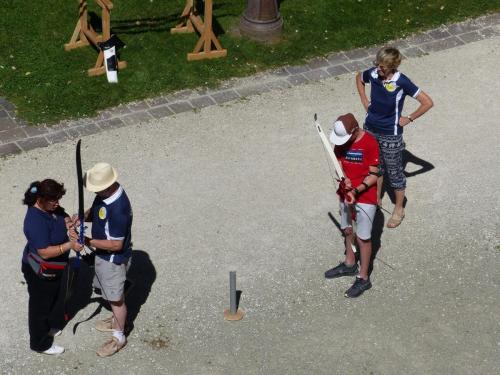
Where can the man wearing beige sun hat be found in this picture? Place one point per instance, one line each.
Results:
(111, 217)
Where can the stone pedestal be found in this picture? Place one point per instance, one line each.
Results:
(261, 20)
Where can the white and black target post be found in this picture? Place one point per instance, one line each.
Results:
(233, 313)
(109, 48)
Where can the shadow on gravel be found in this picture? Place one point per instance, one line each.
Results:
(408, 157)
(377, 230)
(140, 278)
(142, 275)
(238, 298)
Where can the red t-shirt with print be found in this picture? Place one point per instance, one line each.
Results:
(356, 159)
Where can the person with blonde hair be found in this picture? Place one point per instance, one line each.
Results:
(385, 119)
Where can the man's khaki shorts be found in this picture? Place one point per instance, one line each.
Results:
(110, 278)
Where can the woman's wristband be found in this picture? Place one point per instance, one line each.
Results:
(61, 249)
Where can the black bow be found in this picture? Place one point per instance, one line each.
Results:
(74, 268)
(81, 214)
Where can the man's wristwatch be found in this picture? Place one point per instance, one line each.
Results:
(410, 118)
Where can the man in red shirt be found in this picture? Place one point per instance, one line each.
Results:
(358, 154)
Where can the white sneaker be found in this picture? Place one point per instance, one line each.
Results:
(54, 332)
(54, 349)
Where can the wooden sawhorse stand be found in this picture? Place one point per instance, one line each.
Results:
(84, 34)
(191, 21)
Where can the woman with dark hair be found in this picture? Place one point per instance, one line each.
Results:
(45, 256)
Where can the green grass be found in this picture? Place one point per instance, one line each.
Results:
(48, 84)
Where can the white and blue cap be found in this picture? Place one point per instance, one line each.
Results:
(343, 128)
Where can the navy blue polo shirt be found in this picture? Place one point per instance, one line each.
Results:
(43, 229)
(112, 220)
(387, 99)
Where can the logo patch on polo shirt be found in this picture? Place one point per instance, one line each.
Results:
(102, 213)
(355, 156)
(390, 86)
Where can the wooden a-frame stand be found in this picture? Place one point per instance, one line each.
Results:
(191, 21)
(84, 34)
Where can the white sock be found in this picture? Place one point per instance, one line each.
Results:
(119, 336)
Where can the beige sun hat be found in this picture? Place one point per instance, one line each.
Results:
(100, 177)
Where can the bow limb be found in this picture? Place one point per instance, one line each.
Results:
(73, 270)
(81, 214)
(329, 150)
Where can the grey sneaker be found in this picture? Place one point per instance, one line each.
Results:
(342, 270)
(105, 325)
(111, 347)
(358, 288)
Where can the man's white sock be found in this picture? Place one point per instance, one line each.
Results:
(119, 336)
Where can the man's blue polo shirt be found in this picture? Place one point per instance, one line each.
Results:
(43, 229)
(387, 99)
(112, 220)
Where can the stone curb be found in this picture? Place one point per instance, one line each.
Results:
(16, 136)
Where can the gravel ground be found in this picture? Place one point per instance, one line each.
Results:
(245, 186)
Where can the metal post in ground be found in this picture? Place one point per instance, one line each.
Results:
(233, 313)
(232, 292)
